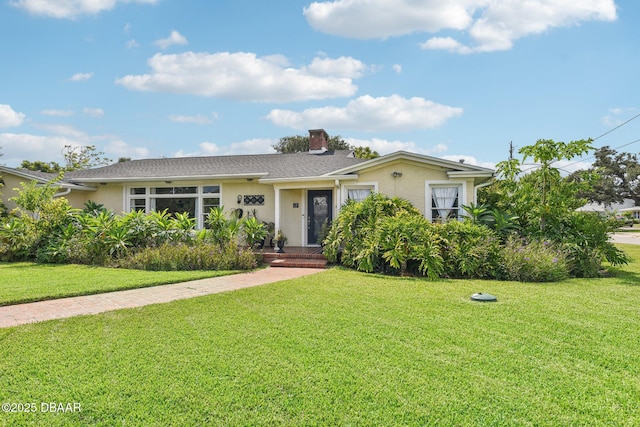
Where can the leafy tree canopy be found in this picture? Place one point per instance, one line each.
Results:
(38, 165)
(300, 143)
(614, 177)
(542, 193)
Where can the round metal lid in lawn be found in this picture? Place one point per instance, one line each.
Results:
(481, 297)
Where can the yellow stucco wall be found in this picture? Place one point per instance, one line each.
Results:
(291, 218)
(10, 182)
(230, 190)
(76, 198)
(412, 184)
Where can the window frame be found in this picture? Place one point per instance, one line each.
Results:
(372, 186)
(134, 194)
(462, 195)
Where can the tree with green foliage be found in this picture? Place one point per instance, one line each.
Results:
(545, 203)
(364, 153)
(300, 143)
(617, 177)
(541, 192)
(39, 165)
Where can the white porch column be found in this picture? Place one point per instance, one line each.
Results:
(277, 213)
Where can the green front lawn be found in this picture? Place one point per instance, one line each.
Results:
(343, 348)
(25, 282)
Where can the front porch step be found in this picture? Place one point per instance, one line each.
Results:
(295, 259)
(299, 263)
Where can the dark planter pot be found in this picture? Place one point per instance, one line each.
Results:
(280, 245)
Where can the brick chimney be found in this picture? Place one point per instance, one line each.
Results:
(318, 141)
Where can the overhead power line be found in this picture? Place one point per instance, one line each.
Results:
(617, 127)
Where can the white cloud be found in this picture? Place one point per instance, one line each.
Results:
(491, 25)
(617, 116)
(93, 112)
(370, 19)
(174, 39)
(470, 160)
(63, 130)
(48, 146)
(57, 113)
(80, 77)
(70, 9)
(244, 76)
(132, 44)
(397, 68)
(198, 119)
(383, 146)
(346, 67)
(445, 43)
(250, 146)
(19, 147)
(370, 114)
(9, 117)
(120, 148)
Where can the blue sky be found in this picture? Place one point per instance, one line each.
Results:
(462, 78)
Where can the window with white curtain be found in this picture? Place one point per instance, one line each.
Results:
(358, 194)
(445, 202)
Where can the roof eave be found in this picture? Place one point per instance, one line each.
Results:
(349, 177)
(171, 178)
(470, 174)
(436, 161)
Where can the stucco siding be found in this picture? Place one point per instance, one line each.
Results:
(231, 190)
(410, 185)
(292, 218)
(10, 182)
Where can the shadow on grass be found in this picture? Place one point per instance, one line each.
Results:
(626, 277)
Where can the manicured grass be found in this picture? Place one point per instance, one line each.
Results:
(25, 282)
(343, 348)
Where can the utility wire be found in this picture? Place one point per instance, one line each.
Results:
(617, 127)
(607, 133)
(591, 157)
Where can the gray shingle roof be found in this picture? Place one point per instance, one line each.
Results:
(271, 166)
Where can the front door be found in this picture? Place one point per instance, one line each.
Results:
(319, 215)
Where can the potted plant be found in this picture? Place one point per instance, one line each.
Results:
(281, 239)
(255, 231)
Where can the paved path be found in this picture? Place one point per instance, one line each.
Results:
(20, 314)
(628, 238)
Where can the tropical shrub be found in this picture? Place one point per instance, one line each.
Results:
(469, 250)
(534, 261)
(382, 234)
(254, 231)
(187, 257)
(585, 238)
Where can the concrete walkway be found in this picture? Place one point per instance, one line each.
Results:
(20, 314)
(627, 238)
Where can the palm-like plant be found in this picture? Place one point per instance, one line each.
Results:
(254, 231)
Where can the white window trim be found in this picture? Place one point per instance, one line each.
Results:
(462, 195)
(199, 195)
(344, 190)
